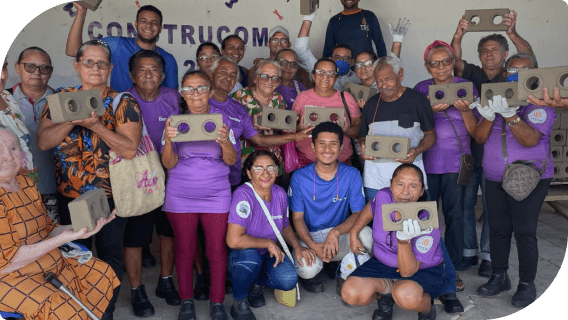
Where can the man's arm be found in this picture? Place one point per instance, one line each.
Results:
(521, 44)
(304, 235)
(75, 37)
(456, 44)
(306, 58)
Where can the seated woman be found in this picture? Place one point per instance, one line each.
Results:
(412, 257)
(28, 252)
(256, 256)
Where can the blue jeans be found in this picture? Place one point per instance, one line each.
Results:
(370, 193)
(247, 266)
(450, 270)
(470, 199)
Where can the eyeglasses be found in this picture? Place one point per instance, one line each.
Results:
(366, 64)
(31, 68)
(282, 40)
(188, 91)
(88, 63)
(344, 58)
(272, 170)
(210, 58)
(285, 63)
(446, 62)
(265, 77)
(513, 70)
(322, 73)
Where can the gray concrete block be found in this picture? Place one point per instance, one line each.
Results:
(87, 209)
(387, 147)
(564, 169)
(277, 118)
(78, 105)
(485, 22)
(308, 7)
(550, 78)
(359, 92)
(197, 126)
(558, 137)
(557, 153)
(410, 211)
(90, 4)
(449, 93)
(558, 119)
(509, 90)
(565, 154)
(315, 116)
(563, 119)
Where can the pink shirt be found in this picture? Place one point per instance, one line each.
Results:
(310, 99)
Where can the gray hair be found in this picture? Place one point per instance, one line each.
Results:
(272, 62)
(96, 43)
(493, 37)
(388, 60)
(16, 138)
(522, 55)
(216, 63)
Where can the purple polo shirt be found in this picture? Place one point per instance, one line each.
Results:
(155, 113)
(241, 126)
(247, 212)
(199, 182)
(541, 119)
(426, 248)
(289, 93)
(444, 156)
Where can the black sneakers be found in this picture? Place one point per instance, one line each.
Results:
(485, 269)
(166, 290)
(312, 285)
(187, 310)
(451, 303)
(240, 310)
(140, 305)
(386, 307)
(217, 311)
(255, 296)
(525, 295)
(430, 315)
(499, 282)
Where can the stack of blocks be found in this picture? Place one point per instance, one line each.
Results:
(559, 145)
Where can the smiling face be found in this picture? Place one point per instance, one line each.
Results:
(147, 74)
(327, 147)
(324, 81)
(492, 55)
(406, 186)
(197, 102)
(364, 72)
(388, 83)
(225, 77)
(267, 86)
(264, 180)
(94, 76)
(275, 43)
(288, 72)
(440, 73)
(210, 55)
(148, 26)
(34, 79)
(234, 49)
(349, 4)
(10, 157)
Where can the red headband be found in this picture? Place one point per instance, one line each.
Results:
(435, 44)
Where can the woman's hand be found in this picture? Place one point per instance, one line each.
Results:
(305, 253)
(70, 235)
(355, 245)
(223, 135)
(304, 134)
(440, 107)
(255, 123)
(361, 103)
(462, 106)
(170, 132)
(91, 123)
(275, 252)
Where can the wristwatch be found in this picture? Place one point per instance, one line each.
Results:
(512, 123)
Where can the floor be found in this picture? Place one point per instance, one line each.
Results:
(552, 236)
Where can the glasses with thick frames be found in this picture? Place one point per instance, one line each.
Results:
(445, 62)
(321, 73)
(188, 91)
(31, 68)
(88, 63)
(265, 77)
(272, 170)
(285, 63)
(367, 64)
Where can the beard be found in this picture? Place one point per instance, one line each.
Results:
(149, 41)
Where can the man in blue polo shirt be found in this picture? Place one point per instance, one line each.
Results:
(148, 27)
(320, 197)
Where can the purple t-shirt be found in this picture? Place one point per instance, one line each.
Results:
(541, 119)
(289, 93)
(426, 247)
(155, 113)
(241, 125)
(199, 182)
(247, 212)
(444, 156)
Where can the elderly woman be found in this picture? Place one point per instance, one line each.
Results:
(323, 95)
(454, 125)
(413, 258)
(207, 54)
(234, 48)
(157, 103)
(510, 135)
(29, 252)
(290, 88)
(81, 149)
(198, 190)
(257, 256)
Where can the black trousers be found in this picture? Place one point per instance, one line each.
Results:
(108, 242)
(507, 215)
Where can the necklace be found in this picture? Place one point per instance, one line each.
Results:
(336, 184)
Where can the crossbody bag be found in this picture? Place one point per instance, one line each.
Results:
(466, 161)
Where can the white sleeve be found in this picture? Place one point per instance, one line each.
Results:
(306, 58)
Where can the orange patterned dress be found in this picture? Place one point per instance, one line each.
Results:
(23, 221)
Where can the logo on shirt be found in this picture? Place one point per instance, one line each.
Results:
(336, 198)
(365, 27)
(232, 137)
(162, 119)
(424, 244)
(235, 119)
(537, 116)
(243, 209)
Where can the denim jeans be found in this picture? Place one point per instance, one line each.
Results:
(470, 248)
(247, 266)
(370, 194)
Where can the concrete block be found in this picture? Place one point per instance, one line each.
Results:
(86, 210)
(564, 169)
(558, 137)
(277, 118)
(565, 154)
(387, 147)
(90, 4)
(482, 20)
(69, 106)
(359, 92)
(557, 153)
(197, 127)
(450, 93)
(558, 174)
(556, 124)
(308, 7)
(410, 211)
(563, 119)
(509, 90)
(532, 81)
(315, 116)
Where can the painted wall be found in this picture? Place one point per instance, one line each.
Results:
(188, 23)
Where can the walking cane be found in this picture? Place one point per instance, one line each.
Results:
(50, 277)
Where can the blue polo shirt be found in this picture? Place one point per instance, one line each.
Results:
(122, 49)
(332, 198)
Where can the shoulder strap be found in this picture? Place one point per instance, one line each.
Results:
(296, 86)
(345, 106)
(455, 131)
(504, 149)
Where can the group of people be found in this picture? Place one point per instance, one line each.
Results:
(313, 198)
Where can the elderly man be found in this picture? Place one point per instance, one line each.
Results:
(289, 88)
(493, 51)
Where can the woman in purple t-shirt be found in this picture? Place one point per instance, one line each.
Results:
(198, 189)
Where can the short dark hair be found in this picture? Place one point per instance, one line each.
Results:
(150, 8)
(146, 54)
(369, 52)
(96, 43)
(229, 37)
(416, 169)
(35, 49)
(494, 37)
(257, 154)
(324, 60)
(327, 126)
(343, 46)
(207, 44)
(182, 104)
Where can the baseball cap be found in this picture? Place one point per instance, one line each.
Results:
(278, 29)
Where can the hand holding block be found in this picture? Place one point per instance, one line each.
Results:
(90, 4)
(277, 119)
(86, 210)
(450, 93)
(387, 147)
(410, 211)
(532, 81)
(197, 127)
(78, 105)
(558, 137)
(315, 116)
(308, 7)
(486, 20)
(359, 92)
(509, 90)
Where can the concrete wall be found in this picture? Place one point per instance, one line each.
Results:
(187, 23)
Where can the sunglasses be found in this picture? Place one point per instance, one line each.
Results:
(362, 64)
(272, 170)
(265, 77)
(285, 63)
(188, 91)
(88, 63)
(446, 62)
(31, 68)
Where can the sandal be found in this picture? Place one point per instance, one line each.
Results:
(459, 283)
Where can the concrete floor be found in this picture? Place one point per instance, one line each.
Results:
(552, 237)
